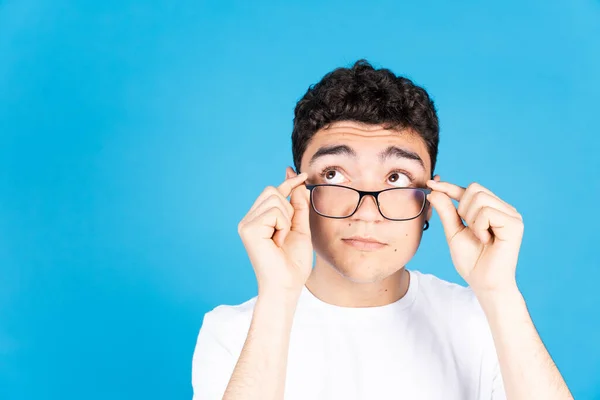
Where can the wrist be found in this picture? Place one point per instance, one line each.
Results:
(501, 299)
(498, 289)
(274, 314)
(278, 299)
(278, 291)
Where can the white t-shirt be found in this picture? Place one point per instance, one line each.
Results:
(434, 343)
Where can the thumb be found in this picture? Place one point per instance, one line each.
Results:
(448, 214)
(300, 200)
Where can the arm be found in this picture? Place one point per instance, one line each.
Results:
(261, 368)
(485, 252)
(276, 234)
(527, 368)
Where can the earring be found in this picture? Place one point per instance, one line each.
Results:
(426, 225)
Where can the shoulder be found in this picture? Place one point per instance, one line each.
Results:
(229, 323)
(457, 303)
(220, 341)
(227, 320)
(442, 293)
(455, 310)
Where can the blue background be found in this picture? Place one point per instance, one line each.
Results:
(134, 135)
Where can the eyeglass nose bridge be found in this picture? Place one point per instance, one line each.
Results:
(362, 194)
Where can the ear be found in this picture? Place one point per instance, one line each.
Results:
(430, 209)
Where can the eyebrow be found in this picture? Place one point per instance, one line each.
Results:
(398, 152)
(333, 150)
(390, 152)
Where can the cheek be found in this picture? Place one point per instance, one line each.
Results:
(405, 236)
(323, 230)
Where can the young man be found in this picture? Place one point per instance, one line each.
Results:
(358, 324)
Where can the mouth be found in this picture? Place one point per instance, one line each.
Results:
(364, 243)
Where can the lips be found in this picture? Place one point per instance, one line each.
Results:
(364, 243)
(364, 239)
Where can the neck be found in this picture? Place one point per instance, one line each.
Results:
(328, 285)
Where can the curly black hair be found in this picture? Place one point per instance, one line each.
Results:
(368, 95)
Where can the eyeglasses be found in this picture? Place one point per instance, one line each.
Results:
(396, 204)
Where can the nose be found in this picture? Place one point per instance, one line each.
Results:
(368, 210)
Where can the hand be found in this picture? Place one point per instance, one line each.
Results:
(276, 235)
(486, 250)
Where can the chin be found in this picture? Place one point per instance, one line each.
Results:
(365, 269)
(363, 266)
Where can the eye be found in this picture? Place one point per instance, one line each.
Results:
(399, 179)
(332, 175)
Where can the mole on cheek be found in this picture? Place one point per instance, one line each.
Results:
(395, 249)
(350, 224)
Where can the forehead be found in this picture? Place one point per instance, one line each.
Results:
(366, 140)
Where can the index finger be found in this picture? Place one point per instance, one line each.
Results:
(290, 184)
(453, 191)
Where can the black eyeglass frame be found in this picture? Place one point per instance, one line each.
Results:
(375, 195)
